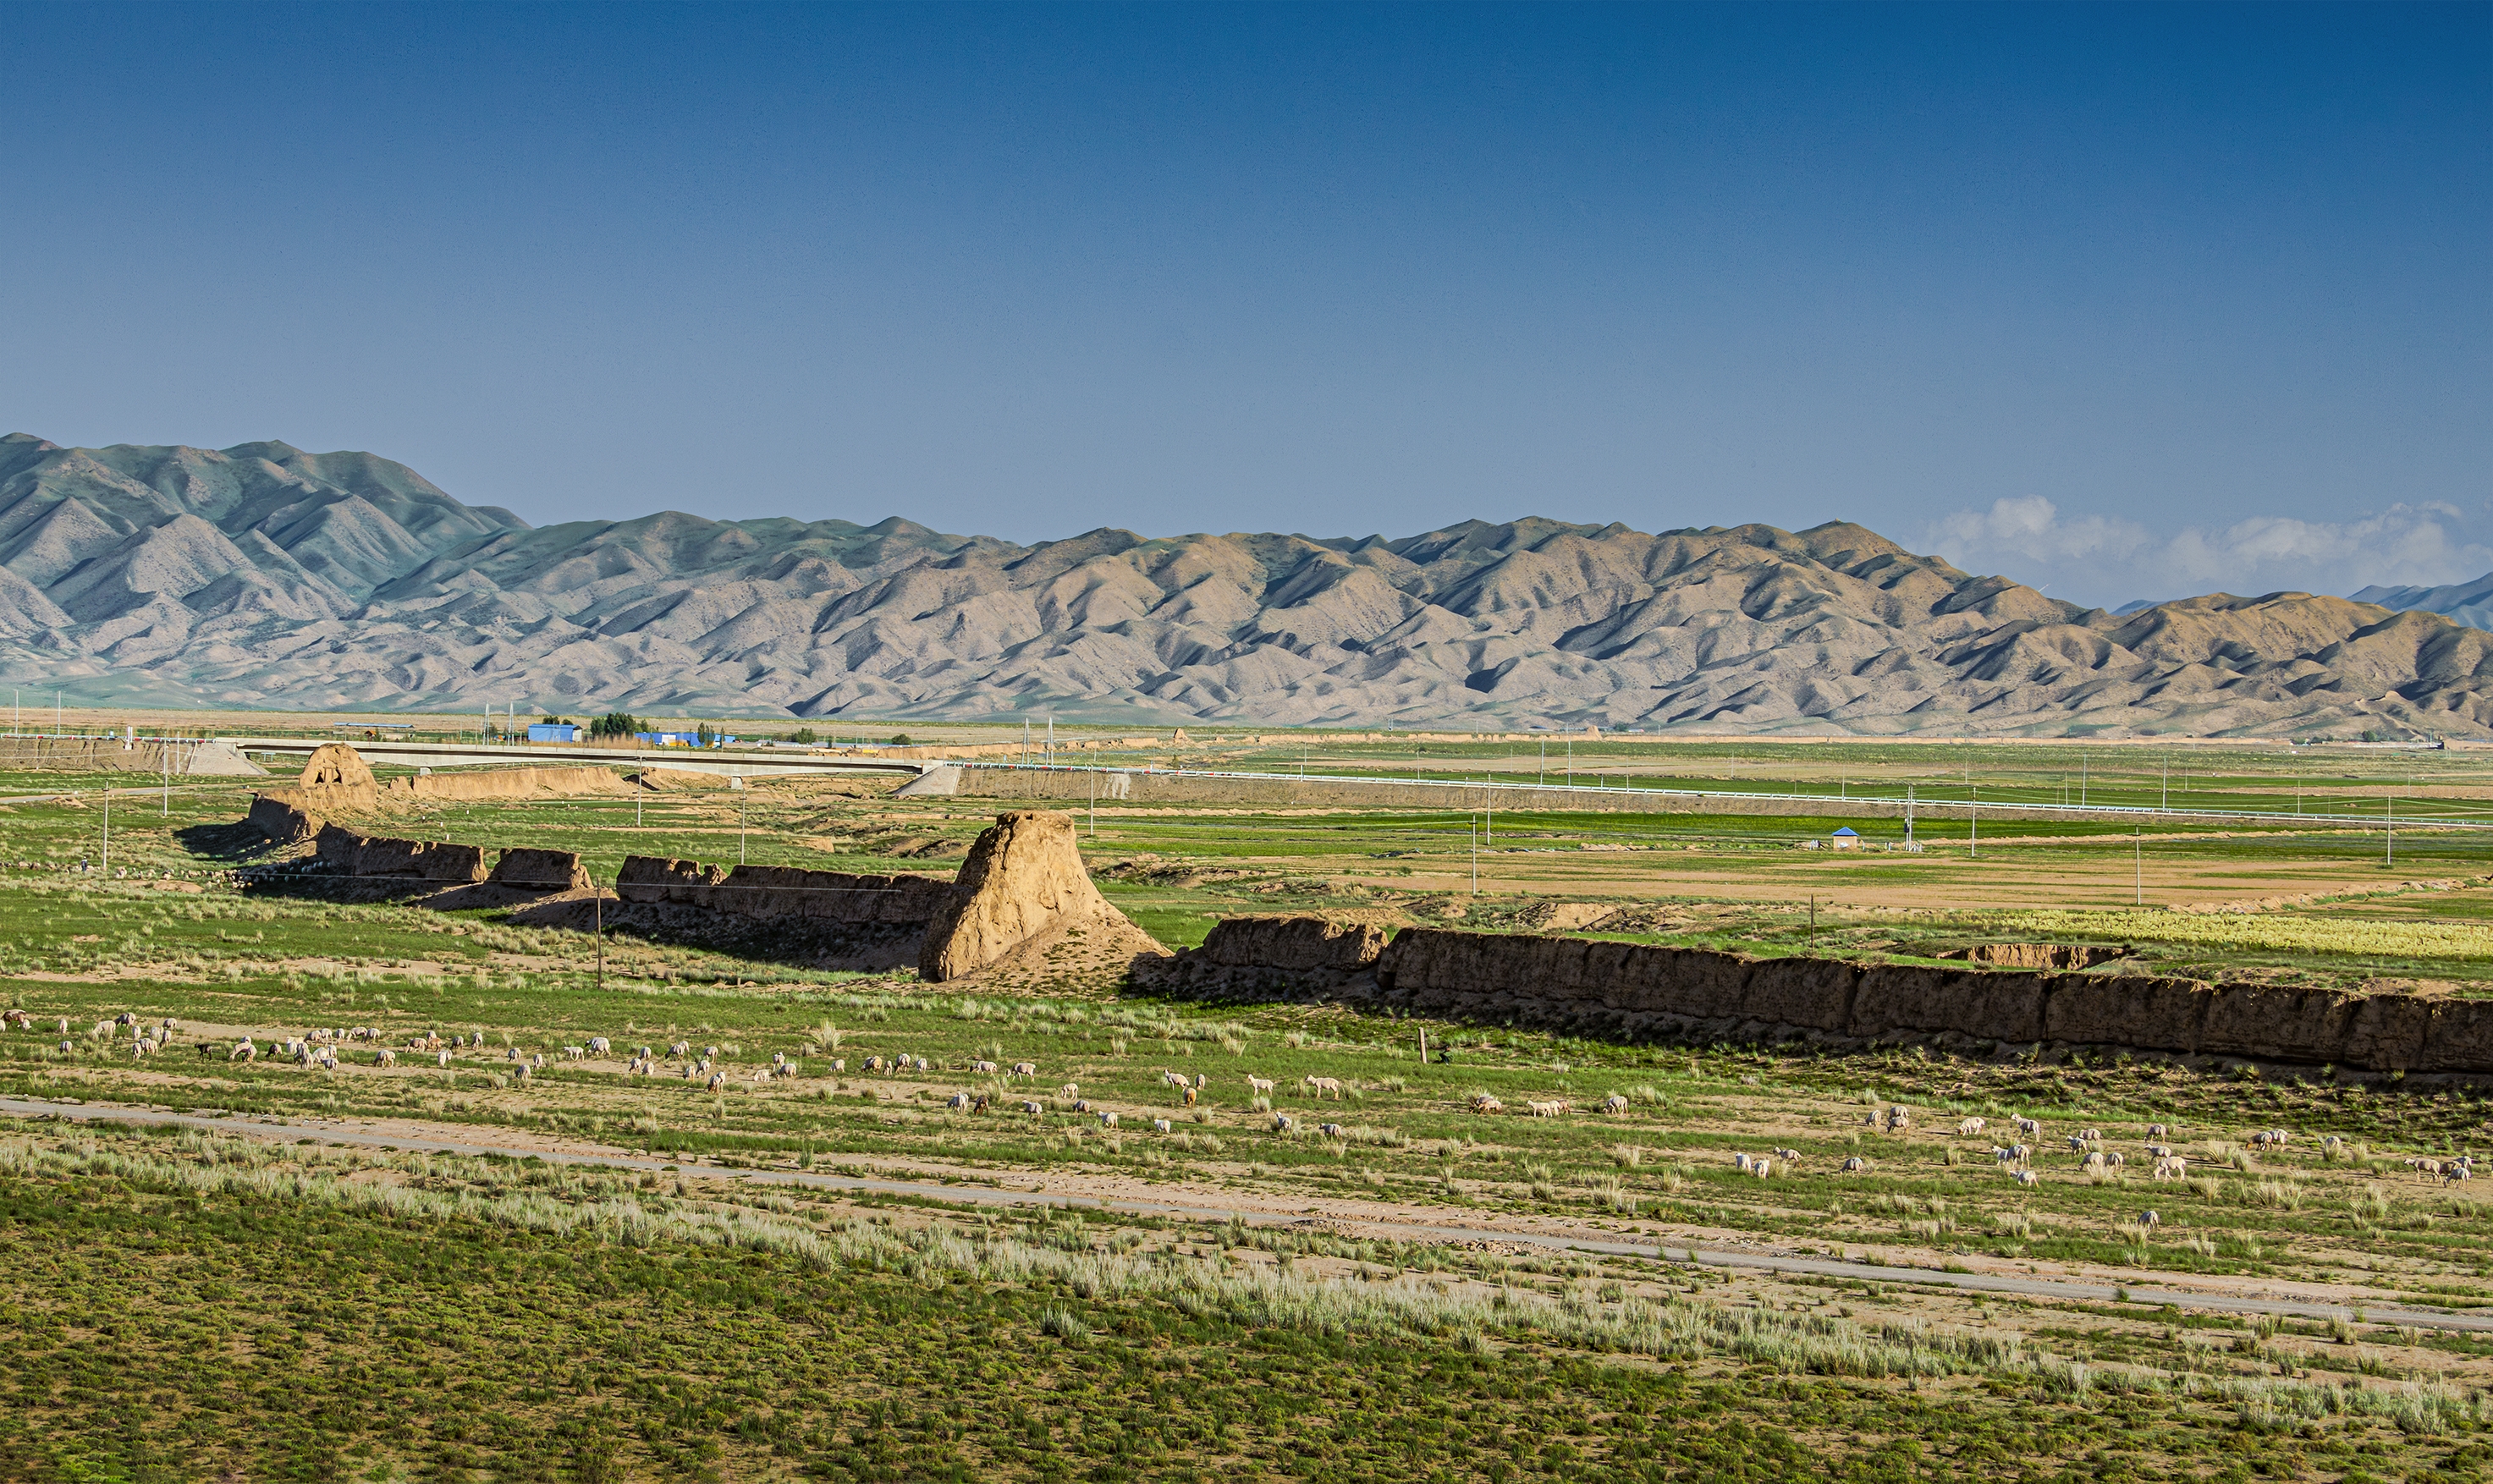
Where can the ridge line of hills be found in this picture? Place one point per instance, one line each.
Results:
(261, 576)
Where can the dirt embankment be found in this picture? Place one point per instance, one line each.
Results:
(1654, 992)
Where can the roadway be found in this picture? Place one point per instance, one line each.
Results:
(775, 763)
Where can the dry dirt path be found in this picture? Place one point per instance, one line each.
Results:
(2150, 1288)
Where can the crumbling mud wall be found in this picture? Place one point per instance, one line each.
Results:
(507, 784)
(1273, 958)
(783, 891)
(1638, 991)
(1024, 898)
(348, 854)
(526, 869)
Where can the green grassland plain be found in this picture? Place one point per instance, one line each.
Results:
(299, 1285)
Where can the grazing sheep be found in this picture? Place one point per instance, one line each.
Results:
(1788, 1156)
(1553, 1109)
(979, 1104)
(2028, 1179)
(680, 1051)
(1024, 1069)
(1323, 1084)
(1484, 1103)
(2077, 1144)
(243, 1051)
(1616, 1103)
(839, 1065)
(958, 1102)
(2029, 1128)
(2114, 1159)
(983, 1068)
(2159, 1131)
(1160, 1125)
(1259, 1087)
(2000, 1156)
(2159, 1150)
(1330, 1130)
(1898, 1119)
(444, 1059)
(1029, 1107)
(2456, 1170)
(1761, 1168)
(761, 1076)
(2093, 1163)
(1969, 1127)
(1282, 1123)
(2021, 1153)
(2149, 1219)
(65, 1049)
(599, 1046)
(1740, 1161)
(2091, 1135)
(2172, 1166)
(1069, 1090)
(1856, 1164)
(64, 1026)
(1187, 1094)
(1082, 1105)
(1108, 1119)
(575, 1054)
(521, 1075)
(384, 1058)
(125, 1018)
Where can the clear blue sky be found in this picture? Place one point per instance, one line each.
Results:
(2069, 287)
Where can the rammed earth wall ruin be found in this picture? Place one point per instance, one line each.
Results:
(1637, 991)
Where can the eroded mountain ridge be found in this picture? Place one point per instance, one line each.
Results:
(263, 575)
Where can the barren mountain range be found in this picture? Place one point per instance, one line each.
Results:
(263, 575)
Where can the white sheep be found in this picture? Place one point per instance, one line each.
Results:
(2028, 1179)
(1029, 1107)
(1160, 1125)
(1108, 1119)
(1856, 1164)
(958, 1102)
(2159, 1131)
(1486, 1103)
(243, 1051)
(1259, 1087)
(1024, 1069)
(1324, 1084)
(1616, 1103)
(1282, 1123)
(1971, 1127)
(384, 1058)
(717, 1081)
(1554, 1108)
(599, 1046)
(2149, 1219)
(2029, 1128)
(1069, 1090)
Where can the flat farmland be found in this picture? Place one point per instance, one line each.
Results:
(473, 1263)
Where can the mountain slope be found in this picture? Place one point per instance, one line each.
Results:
(2466, 603)
(264, 575)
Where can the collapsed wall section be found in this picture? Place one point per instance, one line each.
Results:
(1640, 990)
(783, 891)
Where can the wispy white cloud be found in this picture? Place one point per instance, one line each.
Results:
(2108, 559)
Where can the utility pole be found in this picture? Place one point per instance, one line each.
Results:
(1474, 823)
(599, 898)
(2391, 859)
(2164, 799)
(165, 760)
(1909, 816)
(2138, 862)
(108, 831)
(1095, 803)
(2082, 783)
(1545, 762)
(1813, 924)
(739, 826)
(1973, 832)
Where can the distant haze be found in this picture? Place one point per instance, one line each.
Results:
(2121, 302)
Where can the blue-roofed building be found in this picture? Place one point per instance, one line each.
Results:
(553, 732)
(1847, 838)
